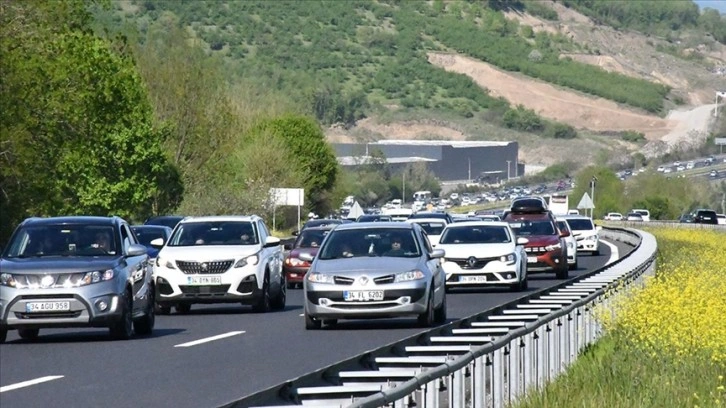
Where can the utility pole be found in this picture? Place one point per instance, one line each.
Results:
(469, 169)
(508, 167)
(403, 195)
(592, 196)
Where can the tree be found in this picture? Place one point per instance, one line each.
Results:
(308, 149)
(75, 121)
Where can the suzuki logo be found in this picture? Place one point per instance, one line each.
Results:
(47, 281)
(363, 280)
(471, 262)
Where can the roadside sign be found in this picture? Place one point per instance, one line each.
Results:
(585, 203)
(720, 141)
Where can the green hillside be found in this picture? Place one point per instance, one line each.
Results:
(343, 60)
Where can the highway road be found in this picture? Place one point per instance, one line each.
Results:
(214, 355)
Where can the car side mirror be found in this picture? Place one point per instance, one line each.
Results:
(522, 241)
(306, 256)
(296, 232)
(564, 234)
(136, 250)
(438, 253)
(271, 242)
(157, 243)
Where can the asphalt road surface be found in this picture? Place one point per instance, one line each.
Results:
(214, 355)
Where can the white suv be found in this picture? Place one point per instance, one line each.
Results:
(220, 259)
(585, 232)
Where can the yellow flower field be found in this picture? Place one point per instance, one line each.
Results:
(682, 311)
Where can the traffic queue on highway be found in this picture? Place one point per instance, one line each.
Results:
(84, 271)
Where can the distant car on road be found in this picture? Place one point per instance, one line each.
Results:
(77, 271)
(705, 216)
(166, 220)
(148, 233)
(308, 241)
(613, 216)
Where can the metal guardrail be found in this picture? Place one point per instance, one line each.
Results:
(488, 360)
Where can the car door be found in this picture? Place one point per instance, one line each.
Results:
(137, 269)
(434, 265)
(271, 255)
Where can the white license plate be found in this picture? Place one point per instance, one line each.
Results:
(472, 279)
(362, 295)
(204, 280)
(36, 307)
(531, 259)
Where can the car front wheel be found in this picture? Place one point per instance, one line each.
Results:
(123, 328)
(312, 323)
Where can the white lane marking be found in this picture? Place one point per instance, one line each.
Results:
(30, 382)
(208, 339)
(302, 314)
(614, 253)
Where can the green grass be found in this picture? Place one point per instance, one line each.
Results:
(610, 375)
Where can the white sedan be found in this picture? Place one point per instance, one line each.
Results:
(586, 233)
(483, 253)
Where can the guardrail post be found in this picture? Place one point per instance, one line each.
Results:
(529, 362)
(515, 368)
(498, 389)
(541, 356)
(431, 392)
(456, 391)
(478, 389)
(580, 329)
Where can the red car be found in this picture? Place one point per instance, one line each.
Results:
(308, 241)
(546, 249)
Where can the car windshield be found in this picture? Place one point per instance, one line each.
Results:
(580, 224)
(388, 242)
(198, 233)
(321, 223)
(432, 228)
(310, 238)
(146, 235)
(538, 227)
(63, 240)
(476, 235)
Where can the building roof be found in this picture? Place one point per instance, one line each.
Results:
(452, 143)
(358, 160)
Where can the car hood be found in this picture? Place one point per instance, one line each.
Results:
(374, 265)
(58, 264)
(208, 252)
(295, 253)
(463, 251)
(542, 240)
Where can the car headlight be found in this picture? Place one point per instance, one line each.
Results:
(553, 247)
(408, 276)
(319, 277)
(165, 262)
(250, 260)
(592, 238)
(95, 277)
(509, 259)
(570, 245)
(296, 262)
(7, 279)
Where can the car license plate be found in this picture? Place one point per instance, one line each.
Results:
(362, 295)
(204, 280)
(472, 279)
(36, 307)
(531, 259)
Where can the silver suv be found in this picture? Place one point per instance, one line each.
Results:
(75, 272)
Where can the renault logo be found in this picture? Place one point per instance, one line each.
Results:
(363, 280)
(471, 262)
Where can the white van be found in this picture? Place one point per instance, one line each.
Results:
(643, 213)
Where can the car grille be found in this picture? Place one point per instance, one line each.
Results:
(204, 268)
(204, 290)
(342, 280)
(53, 315)
(44, 281)
(480, 263)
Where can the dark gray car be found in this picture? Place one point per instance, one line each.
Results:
(75, 272)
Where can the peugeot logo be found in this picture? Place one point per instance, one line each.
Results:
(471, 261)
(205, 266)
(47, 281)
(363, 280)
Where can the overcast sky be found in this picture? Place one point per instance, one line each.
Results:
(719, 5)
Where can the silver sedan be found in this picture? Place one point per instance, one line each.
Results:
(375, 270)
